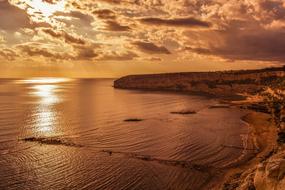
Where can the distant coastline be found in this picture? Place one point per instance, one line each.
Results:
(220, 84)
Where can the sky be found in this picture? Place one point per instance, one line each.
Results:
(112, 38)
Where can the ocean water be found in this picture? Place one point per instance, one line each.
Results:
(70, 134)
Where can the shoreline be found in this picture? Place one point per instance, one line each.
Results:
(264, 135)
(261, 131)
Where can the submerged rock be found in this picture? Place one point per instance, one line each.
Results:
(51, 141)
(110, 152)
(133, 120)
(219, 106)
(184, 112)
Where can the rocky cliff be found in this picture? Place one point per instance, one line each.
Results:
(213, 83)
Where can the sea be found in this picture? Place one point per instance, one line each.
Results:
(60, 133)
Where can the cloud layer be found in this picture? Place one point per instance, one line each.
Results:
(143, 30)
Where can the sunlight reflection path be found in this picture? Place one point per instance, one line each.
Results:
(46, 117)
(46, 91)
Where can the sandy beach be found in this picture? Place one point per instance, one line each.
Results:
(265, 136)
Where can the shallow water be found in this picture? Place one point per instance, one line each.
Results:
(71, 134)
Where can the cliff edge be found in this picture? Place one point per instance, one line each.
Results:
(223, 83)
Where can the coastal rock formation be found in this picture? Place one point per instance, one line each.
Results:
(51, 141)
(224, 83)
(271, 173)
(185, 112)
(133, 120)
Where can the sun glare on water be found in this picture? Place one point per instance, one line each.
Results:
(43, 80)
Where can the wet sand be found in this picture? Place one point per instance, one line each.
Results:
(265, 140)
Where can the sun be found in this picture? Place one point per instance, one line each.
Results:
(47, 8)
(40, 8)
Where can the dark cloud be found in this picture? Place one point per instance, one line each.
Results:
(105, 14)
(176, 22)
(35, 49)
(273, 9)
(86, 53)
(111, 23)
(115, 26)
(240, 44)
(79, 52)
(68, 38)
(13, 18)
(112, 1)
(198, 50)
(84, 19)
(151, 48)
(51, 1)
